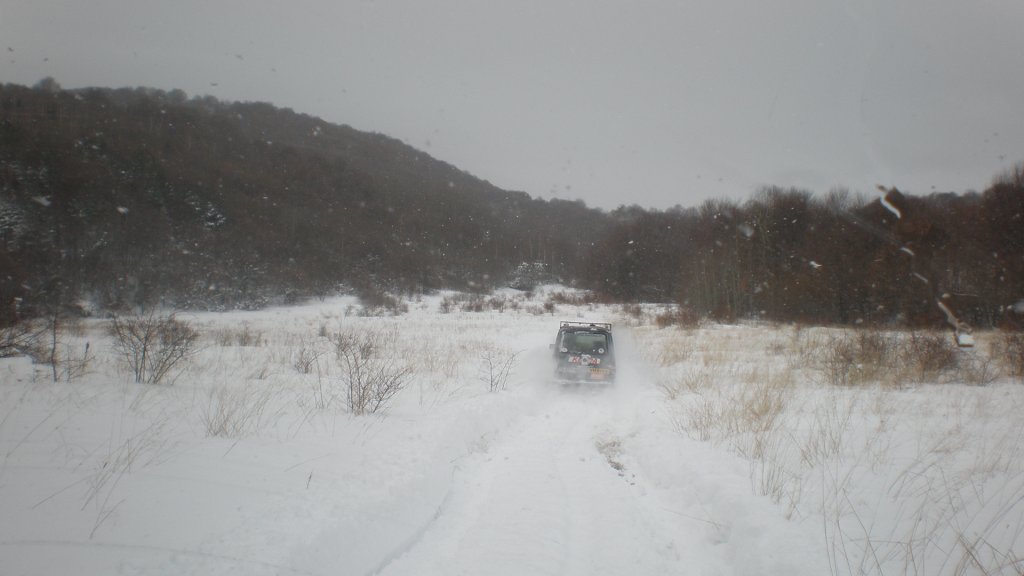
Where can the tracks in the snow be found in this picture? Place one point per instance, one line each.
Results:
(546, 497)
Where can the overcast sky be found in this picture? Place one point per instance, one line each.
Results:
(649, 102)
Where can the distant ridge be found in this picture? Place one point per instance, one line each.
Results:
(136, 196)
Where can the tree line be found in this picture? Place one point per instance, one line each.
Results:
(133, 197)
(789, 255)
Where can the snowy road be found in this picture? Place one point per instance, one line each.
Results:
(550, 498)
(561, 492)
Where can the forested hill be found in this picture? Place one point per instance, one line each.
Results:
(134, 197)
(137, 196)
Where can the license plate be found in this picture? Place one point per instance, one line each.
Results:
(598, 373)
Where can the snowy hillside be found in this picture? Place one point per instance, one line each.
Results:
(717, 451)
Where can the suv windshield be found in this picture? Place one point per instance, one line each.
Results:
(584, 343)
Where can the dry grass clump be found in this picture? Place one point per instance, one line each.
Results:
(819, 449)
(870, 356)
(306, 358)
(674, 351)
(728, 405)
(670, 347)
(245, 336)
(237, 412)
(744, 408)
(682, 316)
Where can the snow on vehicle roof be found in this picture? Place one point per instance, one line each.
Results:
(566, 324)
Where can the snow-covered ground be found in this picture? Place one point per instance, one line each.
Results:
(249, 461)
(901, 475)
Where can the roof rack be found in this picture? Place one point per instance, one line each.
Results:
(590, 325)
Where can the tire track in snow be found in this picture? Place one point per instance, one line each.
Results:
(507, 513)
(544, 500)
(416, 536)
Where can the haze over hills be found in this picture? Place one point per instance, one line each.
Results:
(134, 197)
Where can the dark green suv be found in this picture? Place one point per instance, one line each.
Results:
(584, 352)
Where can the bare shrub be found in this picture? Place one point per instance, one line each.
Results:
(928, 356)
(665, 319)
(875, 348)
(498, 303)
(153, 345)
(71, 365)
(976, 369)
(840, 362)
(855, 358)
(566, 298)
(445, 307)
(474, 303)
(370, 369)
(580, 298)
(46, 342)
(21, 339)
(537, 310)
(1010, 347)
(632, 310)
(495, 368)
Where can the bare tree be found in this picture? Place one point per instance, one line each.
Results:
(496, 368)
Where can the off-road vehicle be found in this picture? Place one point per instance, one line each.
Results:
(584, 352)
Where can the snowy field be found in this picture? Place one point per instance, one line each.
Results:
(719, 450)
